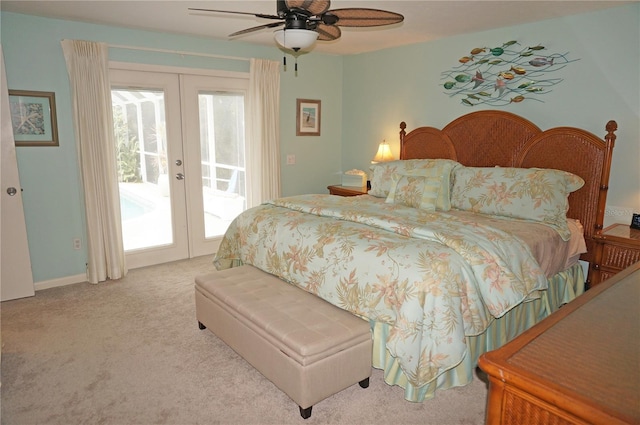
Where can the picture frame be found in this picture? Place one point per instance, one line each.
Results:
(308, 114)
(33, 118)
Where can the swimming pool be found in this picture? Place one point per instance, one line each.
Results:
(132, 207)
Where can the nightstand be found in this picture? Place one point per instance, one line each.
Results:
(347, 190)
(616, 248)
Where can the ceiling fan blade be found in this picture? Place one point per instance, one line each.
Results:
(259, 27)
(328, 32)
(315, 7)
(257, 15)
(357, 17)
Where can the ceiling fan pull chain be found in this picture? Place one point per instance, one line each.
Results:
(296, 65)
(284, 57)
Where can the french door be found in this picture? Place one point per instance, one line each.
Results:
(180, 147)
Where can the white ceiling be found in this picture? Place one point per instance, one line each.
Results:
(424, 20)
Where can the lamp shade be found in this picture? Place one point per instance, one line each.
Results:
(295, 39)
(384, 153)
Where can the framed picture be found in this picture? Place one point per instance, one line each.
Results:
(307, 117)
(33, 118)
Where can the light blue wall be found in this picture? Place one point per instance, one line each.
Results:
(53, 200)
(383, 88)
(318, 160)
(364, 97)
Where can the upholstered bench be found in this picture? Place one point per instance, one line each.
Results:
(307, 347)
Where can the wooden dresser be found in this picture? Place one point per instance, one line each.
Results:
(616, 248)
(581, 365)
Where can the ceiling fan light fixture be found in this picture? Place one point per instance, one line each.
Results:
(295, 39)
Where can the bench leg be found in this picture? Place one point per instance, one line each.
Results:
(201, 326)
(305, 413)
(364, 383)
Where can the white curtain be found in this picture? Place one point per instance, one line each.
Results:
(263, 156)
(87, 64)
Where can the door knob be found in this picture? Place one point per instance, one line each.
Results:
(180, 176)
(178, 162)
(12, 191)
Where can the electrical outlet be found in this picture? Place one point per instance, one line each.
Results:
(77, 244)
(291, 159)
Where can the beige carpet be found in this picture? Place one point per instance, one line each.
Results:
(130, 352)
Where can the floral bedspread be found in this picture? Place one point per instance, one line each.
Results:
(434, 277)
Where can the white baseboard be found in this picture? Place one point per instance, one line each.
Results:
(62, 281)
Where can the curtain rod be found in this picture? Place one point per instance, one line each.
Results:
(178, 52)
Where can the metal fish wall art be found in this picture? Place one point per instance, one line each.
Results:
(502, 75)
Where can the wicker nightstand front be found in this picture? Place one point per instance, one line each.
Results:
(617, 247)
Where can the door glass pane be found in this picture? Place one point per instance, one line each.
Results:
(145, 205)
(222, 159)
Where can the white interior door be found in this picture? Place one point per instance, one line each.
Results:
(181, 169)
(16, 278)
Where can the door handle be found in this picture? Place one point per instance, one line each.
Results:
(12, 191)
(180, 176)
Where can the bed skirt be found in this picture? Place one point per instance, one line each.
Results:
(563, 287)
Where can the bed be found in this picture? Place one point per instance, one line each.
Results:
(441, 262)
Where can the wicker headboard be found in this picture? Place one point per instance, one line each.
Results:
(496, 138)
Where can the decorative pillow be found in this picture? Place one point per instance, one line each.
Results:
(415, 191)
(381, 176)
(534, 194)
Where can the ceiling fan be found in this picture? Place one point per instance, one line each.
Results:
(306, 21)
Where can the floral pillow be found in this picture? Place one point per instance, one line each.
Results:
(534, 194)
(381, 176)
(415, 191)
